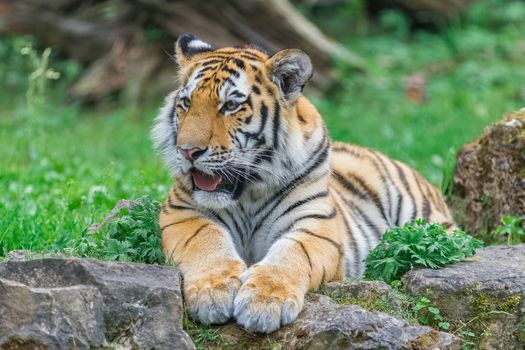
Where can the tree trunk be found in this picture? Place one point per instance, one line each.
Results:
(126, 44)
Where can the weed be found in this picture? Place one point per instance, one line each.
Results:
(131, 233)
(429, 314)
(39, 77)
(204, 336)
(512, 228)
(417, 244)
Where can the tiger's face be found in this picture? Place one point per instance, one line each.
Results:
(226, 127)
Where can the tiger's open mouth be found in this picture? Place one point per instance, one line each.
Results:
(213, 183)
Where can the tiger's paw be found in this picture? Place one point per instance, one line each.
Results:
(267, 300)
(209, 296)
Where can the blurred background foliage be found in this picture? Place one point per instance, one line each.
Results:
(418, 87)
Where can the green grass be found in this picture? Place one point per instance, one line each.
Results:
(62, 170)
(63, 167)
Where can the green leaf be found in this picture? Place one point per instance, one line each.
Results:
(444, 325)
(424, 320)
(433, 310)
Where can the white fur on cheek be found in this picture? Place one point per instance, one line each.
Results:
(164, 132)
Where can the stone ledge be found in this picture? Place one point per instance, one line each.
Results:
(488, 290)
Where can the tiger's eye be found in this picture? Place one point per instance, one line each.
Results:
(230, 105)
(186, 102)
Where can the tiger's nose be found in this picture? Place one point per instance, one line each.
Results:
(191, 153)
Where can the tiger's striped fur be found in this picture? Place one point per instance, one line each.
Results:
(264, 206)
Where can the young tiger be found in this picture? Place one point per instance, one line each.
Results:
(265, 207)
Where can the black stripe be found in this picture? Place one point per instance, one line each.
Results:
(204, 70)
(224, 56)
(180, 199)
(231, 71)
(343, 149)
(404, 181)
(426, 209)
(369, 223)
(195, 234)
(180, 222)
(330, 216)
(348, 185)
(229, 80)
(237, 227)
(238, 94)
(337, 246)
(371, 193)
(256, 90)
(399, 205)
(426, 204)
(184, 189)
(350, 233)
(177, 207)
(211, 62)
(385, 175)
(276, 125)
(304, 250)
(244, 218)
(366, 194)
(239, 63)
(173, 111)
(356, 212)
(303, 201)
(250, 56)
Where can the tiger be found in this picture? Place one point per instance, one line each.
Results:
(265, 206)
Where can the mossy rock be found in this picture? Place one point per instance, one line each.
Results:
(485, 295)
(489, 179)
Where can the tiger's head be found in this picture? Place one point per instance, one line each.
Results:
(237, 121)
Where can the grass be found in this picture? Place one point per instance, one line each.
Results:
(64, 167)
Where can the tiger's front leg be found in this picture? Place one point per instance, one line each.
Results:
(210, 265)
(272, 291)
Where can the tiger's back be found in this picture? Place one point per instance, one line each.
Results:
(375, 193)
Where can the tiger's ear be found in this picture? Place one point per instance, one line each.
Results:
(290, 69)
(187, 46)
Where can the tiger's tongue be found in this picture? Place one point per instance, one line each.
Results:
(204, 181)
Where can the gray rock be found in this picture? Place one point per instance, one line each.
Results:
(84, 304)
(357, 289)
(325, 325)
(486, 293)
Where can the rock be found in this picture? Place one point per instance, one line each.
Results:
(325, 325)
(489, 179)
(69, 303)
(356, 289)
(82, 304)
(485, 294)
(363, 293)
